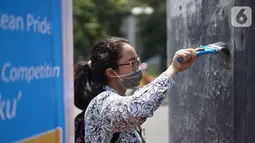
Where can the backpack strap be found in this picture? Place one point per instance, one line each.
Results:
(140, 132)
(79, 128)
(115, 137)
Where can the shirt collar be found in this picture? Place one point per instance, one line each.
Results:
(110, 89)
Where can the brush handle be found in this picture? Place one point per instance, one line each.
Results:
(206, 50)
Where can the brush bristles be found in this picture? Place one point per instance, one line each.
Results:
(220, 46)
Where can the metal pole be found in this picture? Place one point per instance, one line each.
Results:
(67, 38)
(132, 30)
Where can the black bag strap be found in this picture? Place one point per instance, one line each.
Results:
(115, 137)
(140, 132)
(79, 128)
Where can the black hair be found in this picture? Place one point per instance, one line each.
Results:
(89, 79)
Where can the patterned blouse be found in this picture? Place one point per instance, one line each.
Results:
(109, 112)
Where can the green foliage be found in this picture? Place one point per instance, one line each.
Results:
(94, 19)
(153, 32)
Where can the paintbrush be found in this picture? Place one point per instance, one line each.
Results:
(211, 49)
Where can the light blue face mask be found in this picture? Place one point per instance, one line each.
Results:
(131, 80)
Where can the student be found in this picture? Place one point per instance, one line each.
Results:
(100, 85)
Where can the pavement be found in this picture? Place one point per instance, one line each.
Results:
(156, 127)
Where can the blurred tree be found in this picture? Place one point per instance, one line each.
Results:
(94, 19)
(153, 31)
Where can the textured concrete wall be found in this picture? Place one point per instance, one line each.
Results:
(213, 101)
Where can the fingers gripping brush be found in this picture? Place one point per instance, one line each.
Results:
(211, 49)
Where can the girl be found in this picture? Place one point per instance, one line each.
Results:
(100, 87)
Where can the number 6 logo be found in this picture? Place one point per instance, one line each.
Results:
(241, 16)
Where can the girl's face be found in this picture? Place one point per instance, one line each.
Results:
(129, 61)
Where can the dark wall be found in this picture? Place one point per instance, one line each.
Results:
(213, 101)
(249, 107)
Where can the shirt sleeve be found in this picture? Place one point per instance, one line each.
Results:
(121, 113)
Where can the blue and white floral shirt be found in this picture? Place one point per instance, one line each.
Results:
(109, 112)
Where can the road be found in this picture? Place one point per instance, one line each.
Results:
(156, 128)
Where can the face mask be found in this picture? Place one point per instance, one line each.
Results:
(132, 79)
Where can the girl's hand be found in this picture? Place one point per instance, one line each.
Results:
(189, 56)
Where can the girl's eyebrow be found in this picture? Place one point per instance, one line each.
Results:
(132, 59)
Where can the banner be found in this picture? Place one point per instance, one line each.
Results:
(32, 93)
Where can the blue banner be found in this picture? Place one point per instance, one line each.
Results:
(31, 86)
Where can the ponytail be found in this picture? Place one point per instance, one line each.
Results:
(90, 79)
(85, 88)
